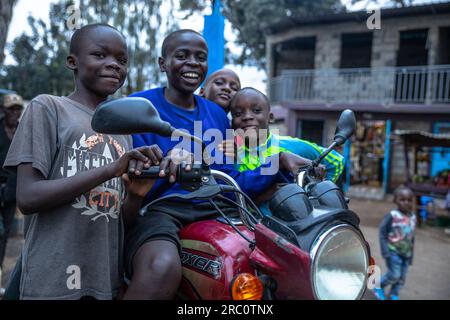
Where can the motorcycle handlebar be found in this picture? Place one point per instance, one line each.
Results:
(148, 173)
(153, 173)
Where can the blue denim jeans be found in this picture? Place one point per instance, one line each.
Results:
(396, 274)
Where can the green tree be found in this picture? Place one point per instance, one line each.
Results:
(251, 18)
(6, 13)
(40, 58)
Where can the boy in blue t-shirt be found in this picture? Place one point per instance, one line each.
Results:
(153, 245)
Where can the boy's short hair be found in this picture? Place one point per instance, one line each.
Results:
(212, 75)
(399, 189)
(78, 35)
(251, 89)
(172, 35)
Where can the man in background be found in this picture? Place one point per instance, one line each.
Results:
(11, 105)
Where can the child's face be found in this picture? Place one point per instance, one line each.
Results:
(186, 62)
(101, 61)
(221, 88)
(404, 201)
(250, 111)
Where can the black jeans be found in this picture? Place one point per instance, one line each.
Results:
(7, 211)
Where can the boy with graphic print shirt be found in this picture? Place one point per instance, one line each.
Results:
(69, 186)
(152, 246)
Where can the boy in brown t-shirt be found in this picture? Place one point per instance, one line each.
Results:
(69, 184)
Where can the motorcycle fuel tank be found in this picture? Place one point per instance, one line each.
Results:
(212, 255)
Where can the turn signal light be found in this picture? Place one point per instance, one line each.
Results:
(246, 287)
(371, 266)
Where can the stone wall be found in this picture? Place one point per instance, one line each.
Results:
(384, 46)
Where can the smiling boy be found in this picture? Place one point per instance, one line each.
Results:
(68, 184)
(250, 111)
(153, 245)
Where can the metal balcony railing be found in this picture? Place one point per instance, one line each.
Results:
(383, 85)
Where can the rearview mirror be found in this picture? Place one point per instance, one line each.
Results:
(345, 127)
(128, 116)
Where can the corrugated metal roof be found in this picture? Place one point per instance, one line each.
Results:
(424, 138)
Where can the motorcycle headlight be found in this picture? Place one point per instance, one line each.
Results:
(339, 264)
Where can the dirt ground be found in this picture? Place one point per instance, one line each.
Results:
(428, 278)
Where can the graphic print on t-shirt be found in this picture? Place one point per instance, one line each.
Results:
(86, 154)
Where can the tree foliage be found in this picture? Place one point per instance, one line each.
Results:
(39, 62)
(40, 58)
(251, 18)
(6, 12)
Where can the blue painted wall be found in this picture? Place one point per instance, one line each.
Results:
(440, 159)
(387, 154)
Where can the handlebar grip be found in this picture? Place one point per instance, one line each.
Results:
(148, 173)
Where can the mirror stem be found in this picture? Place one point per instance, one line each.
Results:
(316, 162)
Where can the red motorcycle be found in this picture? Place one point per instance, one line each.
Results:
(311, 246)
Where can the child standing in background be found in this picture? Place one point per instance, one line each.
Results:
(397, 242)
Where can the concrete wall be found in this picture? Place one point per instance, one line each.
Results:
(385, 46)
(385, 41)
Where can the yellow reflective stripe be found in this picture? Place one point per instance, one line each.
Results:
(274, 150)
(254, 162)
(340, 168)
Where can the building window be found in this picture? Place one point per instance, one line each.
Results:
(413, 48)
(411, 83)
(356, 50)
(310, 130)
(444, 45)
(294, 54)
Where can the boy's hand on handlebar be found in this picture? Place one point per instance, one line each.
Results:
(320, 171)
(292, 163)
(135, 160)
(172, 161)
(137, 187)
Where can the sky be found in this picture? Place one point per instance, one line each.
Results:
(250, 76)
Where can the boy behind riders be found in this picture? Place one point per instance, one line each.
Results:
(250, 112)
